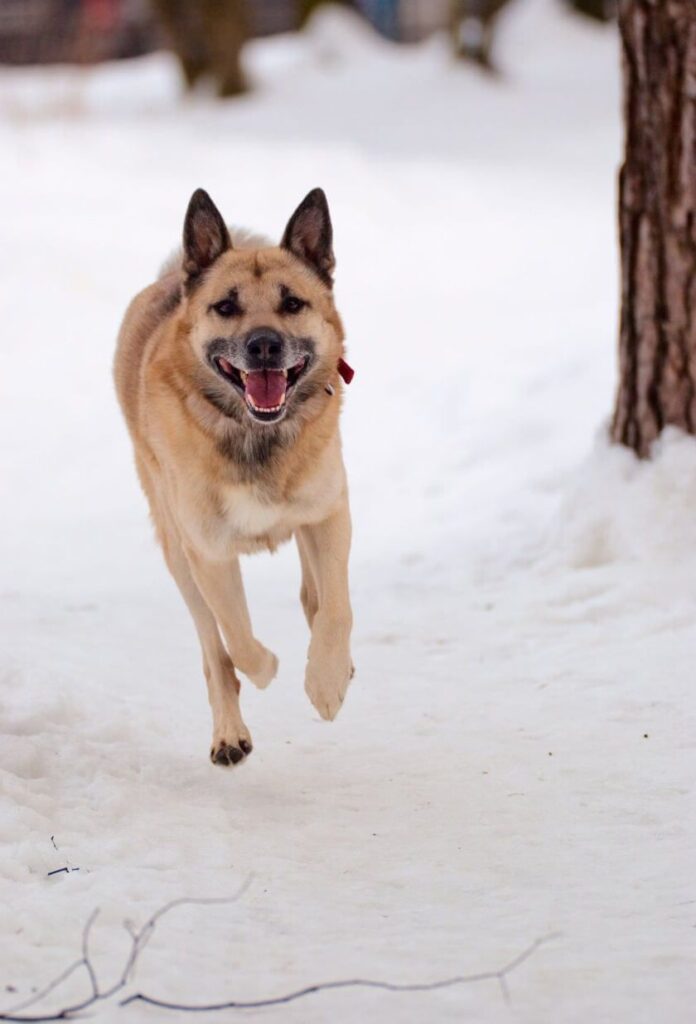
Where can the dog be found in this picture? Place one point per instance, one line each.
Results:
(229, 371)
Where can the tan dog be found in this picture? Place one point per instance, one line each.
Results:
(227, 371)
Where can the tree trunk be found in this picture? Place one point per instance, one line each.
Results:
(657, 210)
(207, 36)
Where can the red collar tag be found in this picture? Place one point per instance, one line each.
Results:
(345, 371)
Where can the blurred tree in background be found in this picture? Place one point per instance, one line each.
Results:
(207, 37)
(657, 215)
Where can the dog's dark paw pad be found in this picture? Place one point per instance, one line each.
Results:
(227, 754)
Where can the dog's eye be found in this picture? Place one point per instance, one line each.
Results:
(227, 307)
(291, 304)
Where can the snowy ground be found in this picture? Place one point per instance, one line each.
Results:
(516, 756)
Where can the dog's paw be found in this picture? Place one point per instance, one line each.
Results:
(226, 754)
(264, 668)
(231, 743)
(326, 687)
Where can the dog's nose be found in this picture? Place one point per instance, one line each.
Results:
(264, 345)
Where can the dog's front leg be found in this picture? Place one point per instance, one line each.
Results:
(222, 587)
(329, 666)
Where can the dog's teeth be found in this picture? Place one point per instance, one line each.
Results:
(243, 374)
(259, 408)
(285, 373)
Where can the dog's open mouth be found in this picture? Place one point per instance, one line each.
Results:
(265, 391)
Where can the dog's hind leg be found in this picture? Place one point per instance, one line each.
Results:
(231, 738)
(221, 585)
(309, 595)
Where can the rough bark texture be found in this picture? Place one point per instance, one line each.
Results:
(657, 208)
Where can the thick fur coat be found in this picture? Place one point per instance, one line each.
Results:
(227, 373)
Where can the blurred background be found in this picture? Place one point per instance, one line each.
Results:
(209, 35)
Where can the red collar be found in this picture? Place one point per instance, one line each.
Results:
(345, 371)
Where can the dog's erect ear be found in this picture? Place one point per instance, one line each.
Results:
(205, 234)
(309, 235)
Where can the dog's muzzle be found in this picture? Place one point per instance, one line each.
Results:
(265, 379)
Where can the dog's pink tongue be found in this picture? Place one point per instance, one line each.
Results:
(266, 388)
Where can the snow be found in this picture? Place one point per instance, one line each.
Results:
(516, 754)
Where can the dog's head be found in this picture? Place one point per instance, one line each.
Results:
(262, 321)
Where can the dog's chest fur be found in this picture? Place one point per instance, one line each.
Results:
(250, 519)
(246, 518)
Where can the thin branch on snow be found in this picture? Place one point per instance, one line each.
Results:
(140, 937)
(499, 975)
(38, 996)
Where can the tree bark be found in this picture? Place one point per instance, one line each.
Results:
(657, 222)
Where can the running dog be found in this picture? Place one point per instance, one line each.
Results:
(229, 372)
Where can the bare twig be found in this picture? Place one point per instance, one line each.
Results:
(139, 940)
(67, 870)
(499, 975)
(85, 953)
(140, 937)
(38, 996)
